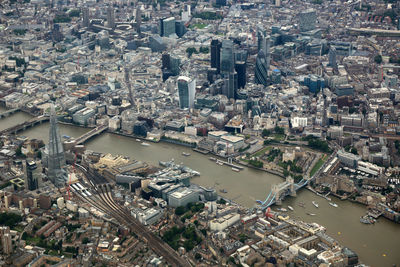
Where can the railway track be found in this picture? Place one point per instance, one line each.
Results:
(103, 200)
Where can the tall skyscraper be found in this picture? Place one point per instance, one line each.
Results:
(261, 33)
(227, 57)
(55, 153)
(85, 17)
(186, 91)
(230, 84)
(31, 182)
(167, 27)
(216, 54)
(240, 67)
(110, 17)
(261, 69)
(138, 19)
(332, 57)
(307, 19)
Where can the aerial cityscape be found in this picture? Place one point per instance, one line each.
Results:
(200, 133)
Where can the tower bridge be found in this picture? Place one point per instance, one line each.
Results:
(280, 191)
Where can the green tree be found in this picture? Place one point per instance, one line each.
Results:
(190, 51)
(378, 59)
(265, 133)
(180, 210)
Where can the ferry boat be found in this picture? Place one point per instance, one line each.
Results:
(291, 208)
(282, 209)
(235, 169)
(186, 154)
(333, 204)
(315, 204)
(138, 140)
(145, 144)
(223, 191)
(212, 158)
(66, 136)
(311, 214)
(219, 162)
(367, 219)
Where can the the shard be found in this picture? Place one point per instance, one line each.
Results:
(55, 153)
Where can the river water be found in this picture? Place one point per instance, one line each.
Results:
(377, 245)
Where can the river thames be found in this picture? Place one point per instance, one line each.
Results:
(377, 245)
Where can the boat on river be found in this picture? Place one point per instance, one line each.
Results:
(235, 169)
(223, 191)
(333, 204)
(291, 208)
(302, 204)
(366, 219)
(315, 204)
(311, 214)
(186, 154)
(145, 144)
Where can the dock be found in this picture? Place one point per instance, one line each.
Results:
(230, 164)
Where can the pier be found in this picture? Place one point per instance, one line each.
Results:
(228, 163)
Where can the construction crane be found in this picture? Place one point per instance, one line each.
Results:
(128, 84)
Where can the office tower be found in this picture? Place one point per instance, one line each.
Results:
(230, 84)
(216, 54)
(31, 174)
(110, 17)
(6, 241)
(332, 57)
(85, 17)
(241, 55)
(307, 19)
(55, 153)
(138, 19)
(165, 59)
(227, 57)
(240, 67)
(180, 28)
(167, 26)
(398, 24)
(186, 91)
(174, 66)
(261, 33)
(261, 69)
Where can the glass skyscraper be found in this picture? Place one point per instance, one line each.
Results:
(261, 69)
(186, 91)
(55, 153)
(227, 57)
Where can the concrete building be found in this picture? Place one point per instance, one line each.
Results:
(307, 20)
(82, 116)
(167, 27)
(182, 197)
(348, 159)
(221, 223)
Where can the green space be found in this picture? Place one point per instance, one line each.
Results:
(262, 151)
(198, 26)
(10, 219)
(208, 15)
(186, 237)
(317, 165)
(317, 144)
(63, 18)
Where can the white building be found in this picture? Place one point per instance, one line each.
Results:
(220, 224)
(298, 122)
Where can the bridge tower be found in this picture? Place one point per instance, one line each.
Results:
(276, 193)
(290, 182)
